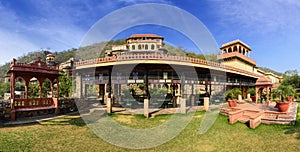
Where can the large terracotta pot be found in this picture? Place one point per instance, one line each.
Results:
(253, 98)
(231, 103)
(289, 99)
(283, 106)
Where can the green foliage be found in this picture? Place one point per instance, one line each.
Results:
(275, 93)
(251, 91)
(292, 78)
(46, 87)
(158, 92)
(111, 43)
(20, 86)
(181, 52)
(284, 91)
(33, 90)
(65, 86)
(4, 88)
(232, 93)
(61, 57)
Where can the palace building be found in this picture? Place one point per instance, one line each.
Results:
(130, 73)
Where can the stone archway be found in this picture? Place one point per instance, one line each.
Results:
(40, 71)
(263, 84)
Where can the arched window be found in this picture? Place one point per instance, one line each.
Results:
(133, 47)
(152, 47)
(146, 47)
(140, 47)
(234, 49)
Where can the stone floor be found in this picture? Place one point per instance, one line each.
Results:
(270, 114)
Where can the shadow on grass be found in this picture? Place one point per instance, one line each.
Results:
(296, 128)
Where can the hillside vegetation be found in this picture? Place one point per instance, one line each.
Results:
(97, 50)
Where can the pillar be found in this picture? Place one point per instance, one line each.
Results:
(183, 106)
(193, 100)
(108, 105)
(78, 86)
(256, 94)
(206, 103)
(193, 96)
(109, 84)
(146, 108)
(268, 89)
(240, 97)
(52, 88)
(57, 97)
(40, 88)
(12, 95)
(26, 92)
(248, 97)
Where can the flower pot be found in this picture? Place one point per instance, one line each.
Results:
(253, 98)
(283, 106)
(231, 103)
(289, 99)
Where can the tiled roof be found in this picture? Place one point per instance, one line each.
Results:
(236, 54)
(145, 35)
(235, 42)
(263, 81)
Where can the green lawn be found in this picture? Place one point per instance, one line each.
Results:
(71, 134)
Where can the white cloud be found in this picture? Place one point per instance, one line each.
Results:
(263, 16)
(13, 45)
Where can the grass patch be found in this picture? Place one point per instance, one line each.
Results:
(71, 134)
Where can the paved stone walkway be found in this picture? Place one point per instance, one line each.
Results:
(270, 114)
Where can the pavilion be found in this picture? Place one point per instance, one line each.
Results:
(152, 67)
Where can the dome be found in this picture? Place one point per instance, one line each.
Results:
(263, 81)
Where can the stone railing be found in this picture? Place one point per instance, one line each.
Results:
(32, 103)
(163, 57)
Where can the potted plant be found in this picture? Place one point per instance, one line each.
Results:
(158, 96)
(232, 95)
(252, 93)
(286, 93)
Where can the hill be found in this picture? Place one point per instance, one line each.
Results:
(270, 70)
(96, 50)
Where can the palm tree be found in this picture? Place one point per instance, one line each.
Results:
(285, 91)
(232, 93)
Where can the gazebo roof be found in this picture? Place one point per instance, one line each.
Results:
(263, 81)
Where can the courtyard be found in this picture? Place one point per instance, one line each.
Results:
(70, 133)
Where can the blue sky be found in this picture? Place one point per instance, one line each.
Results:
(269, 27)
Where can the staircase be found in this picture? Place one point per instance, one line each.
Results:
(244, 116)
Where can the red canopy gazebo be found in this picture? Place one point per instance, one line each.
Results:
(40, 71)
(263, 84)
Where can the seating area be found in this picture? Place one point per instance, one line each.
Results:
(255, 114)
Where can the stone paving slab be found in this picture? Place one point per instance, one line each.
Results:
(270, 115)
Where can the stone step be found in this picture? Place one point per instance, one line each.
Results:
(244, 119)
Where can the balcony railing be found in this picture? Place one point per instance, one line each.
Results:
(32, 103)
(163, 57)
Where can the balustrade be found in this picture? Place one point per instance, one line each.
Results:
(157, 56)
(32, 103)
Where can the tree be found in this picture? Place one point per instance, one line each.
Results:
(65, 86)
(33, 90)
(251, 91)
(46, 87)
(292, 78)
(4, 88)
(232, 93)
(285, 91)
